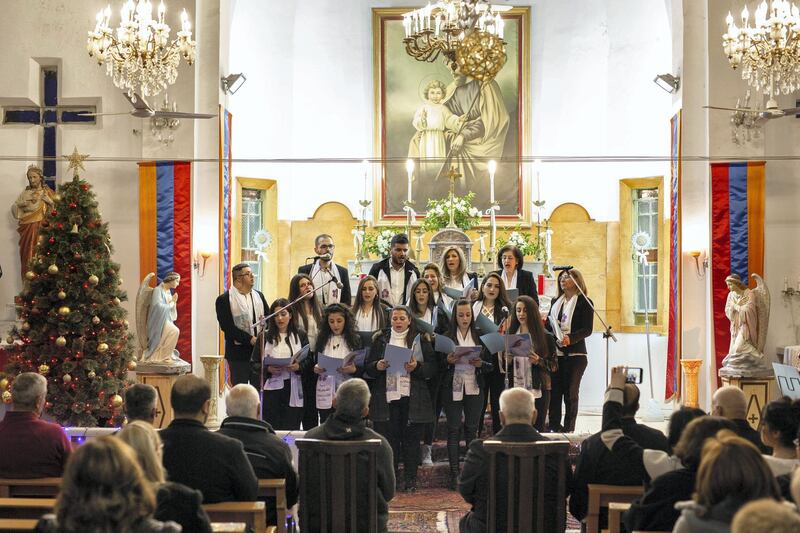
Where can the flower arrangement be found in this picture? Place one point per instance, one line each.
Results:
(378, 242)
(525, 242)
(464, 215)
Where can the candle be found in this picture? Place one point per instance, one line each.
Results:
(785, 284)
(365, 167)
(537, 163)
(481, 244)
(410, 170)
(492, 170)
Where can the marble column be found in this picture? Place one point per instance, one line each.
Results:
(211, 368)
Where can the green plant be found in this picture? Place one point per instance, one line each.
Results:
(525, 242)
(464, 215)
(377, 241)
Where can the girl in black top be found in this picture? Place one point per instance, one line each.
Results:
(337, 338)
(307, 316)
(368, 310)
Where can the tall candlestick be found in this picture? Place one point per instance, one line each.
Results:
(537, 164)
(365, 167)
(492, 170)
(410, 170)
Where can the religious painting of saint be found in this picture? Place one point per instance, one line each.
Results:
(441, 119)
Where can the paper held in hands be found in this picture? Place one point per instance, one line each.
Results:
(396, 357)
(287, 361)
(485, 324)
(516, 344)
(444, 344)
(463, 293)
(329, 364)
(357, 357)
(423, 326)
(466, 354)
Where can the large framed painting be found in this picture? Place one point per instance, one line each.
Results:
(430, 113)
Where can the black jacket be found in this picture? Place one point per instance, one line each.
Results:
(214, 464)
(237, 342)
(337, 427)
(473, 484)
(268, 454)
(580, 327)
(182, 505)
(744, 430)
(346, 297)
(526, 285)
(383, 265)
(655, 511)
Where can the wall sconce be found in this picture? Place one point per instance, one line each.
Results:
(232, 82)
(695, 254)
(668, 82)
(203, 256)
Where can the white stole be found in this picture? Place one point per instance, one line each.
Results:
(243, 307)
(464, 379)
(331, 290)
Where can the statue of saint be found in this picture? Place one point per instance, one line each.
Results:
(748, 311)
(29, 210)
(156, 313)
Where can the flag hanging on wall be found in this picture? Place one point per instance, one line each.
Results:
(165, 234)
(672, 385)
(225, 196)
(737, 236)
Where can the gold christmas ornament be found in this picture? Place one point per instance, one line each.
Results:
(67, 378)
(125, 322)
(61, 341)
(95, 320)
(91, 374)
(62, 295)
(119, 281)
(94, 280)
(26, 326)
(3, 383)
(57, 197)
(53, 269)
(30, 275)
(116, 401)
(132, 365)
(116, 301)
(74, 228)
(102, 347)
(9, 340)
(44, 369)
(6, 397)
(63, 310)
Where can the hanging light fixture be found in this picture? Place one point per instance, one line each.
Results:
(139, 55)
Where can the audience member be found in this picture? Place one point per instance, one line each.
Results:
(517, 415)
(596, 463)
(732, 472)
(174, 501)
(678, 421)
(104, 490)
(269, 455)
(212, 463)
(766, 515)
(780, 422)
(348, 422)
(29, 446)
(731, 403)
(140, 403)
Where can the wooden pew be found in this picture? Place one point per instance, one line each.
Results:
(601, 495)
(275, 488)
(615, 510)
(254, 514)
(25, 507)
(14, 525)
(46, 487)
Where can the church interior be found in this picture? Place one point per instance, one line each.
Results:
(617, 141)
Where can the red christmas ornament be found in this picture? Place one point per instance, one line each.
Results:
(77, 256)
(73, 205)
(53, 213)
(85, 187)
(51, 240)
(60, 225)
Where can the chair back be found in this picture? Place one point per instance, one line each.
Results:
(526, 484)
(275, 488)
(46, 487)
(601, 495)
(343, 469)
(25, 507)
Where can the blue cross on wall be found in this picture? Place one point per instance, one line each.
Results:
(49, 115)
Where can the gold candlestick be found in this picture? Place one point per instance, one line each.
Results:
(452, 175)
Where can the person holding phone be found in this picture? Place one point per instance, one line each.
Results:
(337, 338)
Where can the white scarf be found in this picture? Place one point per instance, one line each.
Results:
(276, 382)
(458, 283)
(397, 384)
(464, 380)
(331, 291)
(244, 307)
(566, 321)
(385, 287)
(327, 384)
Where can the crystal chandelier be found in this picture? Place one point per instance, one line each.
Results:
(745, 123)
(769, 52)
(163, 128)
(139, 55)
(442, 27)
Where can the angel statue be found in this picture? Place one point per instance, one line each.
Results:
(156, 313)
(748, 311)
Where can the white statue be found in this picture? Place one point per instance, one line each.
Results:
(156, 313)
(748, 311)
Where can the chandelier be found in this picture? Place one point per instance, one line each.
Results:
(441, 28)
(745, 123)
(769, 52)
(139, 55)
(163, 128)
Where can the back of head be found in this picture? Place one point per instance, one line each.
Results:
(765, 515)
(783, 415)
(517, 406)
(103, 488)
(732, 468)
(140, 402)
(27, 390)
(678, 422)
(242, 400)
(352, 399)
(188, 395)
(690, 446)
(730, 402)
(630, 399)
(144, 440)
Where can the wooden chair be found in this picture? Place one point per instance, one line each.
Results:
(615, 510)
(46, 487)
(9, 525)
(336, 497)
(25, 507)
(254, 514)
(526, 483)
(601, 495)
(275, 488)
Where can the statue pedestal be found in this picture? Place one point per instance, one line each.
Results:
(690, 369)
(758, 391)
(162, 382)
(211, 367)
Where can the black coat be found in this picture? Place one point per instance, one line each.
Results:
(420, 402)
(237, 342)
(214, 464)
(473, 484)
(257, 358)
(744, 430)
(446, 370)
(182, 505)
(526, 284)
(268, 454)
(383, 265)
(580, 327)
(345, 298)
(655, 511)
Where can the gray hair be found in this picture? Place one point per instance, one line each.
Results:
(352, 397)
(242, 400)
(26, 390)
(517, 405)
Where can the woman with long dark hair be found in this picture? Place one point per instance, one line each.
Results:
(368, 310)
(401, 404)
(337, 338)
(572, 312)
(541, 362)
(433, 276)
(509, 263)
(307, 316)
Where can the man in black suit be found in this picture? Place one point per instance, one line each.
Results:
(396, 273)
(596, 463)
(238, 309)
(214, 464)
(731, 403)
(517, 414)
(323, 270)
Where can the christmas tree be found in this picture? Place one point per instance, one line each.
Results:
(72, 325)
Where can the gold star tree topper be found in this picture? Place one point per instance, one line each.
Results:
(76, 160)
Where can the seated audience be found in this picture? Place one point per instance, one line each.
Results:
(731, 403)
(517, 415)
(104, 490)
(174, 501)
(209, 462)
(269, 455)
(348, 422)
(596, 463)
(766, 515)
(678, 421)
(29, 446)
(780, 422)
(140, 403)
(732, 472)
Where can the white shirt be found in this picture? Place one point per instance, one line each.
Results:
(336, 347)
(510, 284)
(367, 322)
(397, 279)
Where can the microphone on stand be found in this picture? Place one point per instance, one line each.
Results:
(564, 267)
(324, 257)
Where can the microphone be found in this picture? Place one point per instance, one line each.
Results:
(565, 267)
(324, 257)
(339, 284)
(504, 310)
